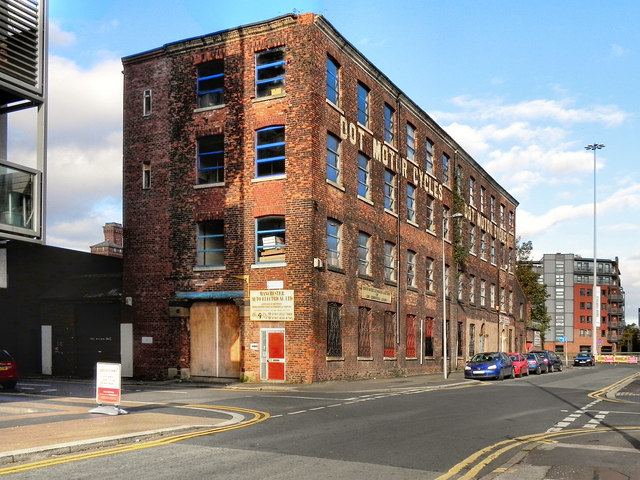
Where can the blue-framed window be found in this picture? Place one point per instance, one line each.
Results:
(363, 105)
(364, 176)
(211, 84)
(334, 243)
(411, 142)
(270, 70)
(390, 261)
(445, 169)
(429, 160)
(210, 243)
(364, 254)
(333, 159)
(270, 239)
(270, 151)
(389, 190)
(211, 159)
(389, 124)
(411, 268)
(411, 203)
(333, 81)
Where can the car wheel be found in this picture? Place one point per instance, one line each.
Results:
(9, 384)
(538, 370)
(501, 375)
(550, 369)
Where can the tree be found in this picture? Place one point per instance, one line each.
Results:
(630, 339)
(534, 291)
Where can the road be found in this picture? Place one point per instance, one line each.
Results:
(412, 432)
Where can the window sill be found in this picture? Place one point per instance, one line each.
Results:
(411, 222)
(365, 200)
(390, 359)
(215, 268)
(365, 128)
(413, 289)
(392, 283)
(268, 97)
(333, 268)
(208, 109)
(365, 277)
(202, 186)
(335, 359)
(365, 359)
(268, 265)
(391, 212)
(269, 178)
(410, 359)
(336, 185)
(336, 107)
(431, 232)
(431, 293)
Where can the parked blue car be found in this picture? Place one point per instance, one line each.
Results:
(490, 365)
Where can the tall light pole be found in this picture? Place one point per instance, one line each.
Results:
(595, 322)
(444, 296)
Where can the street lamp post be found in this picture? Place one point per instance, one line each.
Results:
(594, 321)
(444, 297)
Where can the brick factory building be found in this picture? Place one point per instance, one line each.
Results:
(284, 211)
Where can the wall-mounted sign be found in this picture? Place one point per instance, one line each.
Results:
(376, 294)
(272, 305)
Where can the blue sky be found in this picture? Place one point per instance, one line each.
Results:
(523, 86)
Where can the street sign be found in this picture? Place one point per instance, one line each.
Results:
(561, 339)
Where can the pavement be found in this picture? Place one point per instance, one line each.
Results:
(34, 428)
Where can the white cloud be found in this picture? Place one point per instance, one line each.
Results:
(617, 50)
(58, 37)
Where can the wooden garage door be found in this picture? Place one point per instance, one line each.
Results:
(215, 340)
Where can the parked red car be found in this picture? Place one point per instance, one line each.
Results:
(520, 364)
(8, 370)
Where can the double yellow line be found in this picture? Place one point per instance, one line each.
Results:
(254, 417)
(602, 393)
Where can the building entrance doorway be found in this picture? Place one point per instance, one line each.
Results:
(215, 340)
(272, 357)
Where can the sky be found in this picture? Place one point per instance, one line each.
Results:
(522, 86)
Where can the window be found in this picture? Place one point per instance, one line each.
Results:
(472, 340)
(389, 190)
(430, 201)
(445, 169)
(270, 69)
(483, 245)
(389, 334)
(364, 254)
(493, 251)
(334, 330)
(428, 337)
(460, 284)
(445, 223)
(210, 84)
(411, 203)
(411, 336)
(146, 103)
(502, 216)
(429, 274)
(146, 175)
(334, 243)
(492, 208)
(364, 176)
(429, 159)
(411, 142)
(364, 332)
(363, 105)
(472, 289)
(389, 124)
(411, 268)
(492, 295)
(333, 81)
(472, 191)
(446, 280)
(211, 159)
(333, 159)
(270, 239)
(270, 152)
(483, 293)
(210, 244)
(389, 262)
(483, 199)
(472, 239)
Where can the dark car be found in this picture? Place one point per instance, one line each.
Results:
(584, 358)
(536, 364)
(489, 365)
(553, 361)
(8, 370)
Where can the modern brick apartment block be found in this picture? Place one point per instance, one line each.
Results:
(284, 209)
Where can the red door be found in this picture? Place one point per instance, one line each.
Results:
(275, 359)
